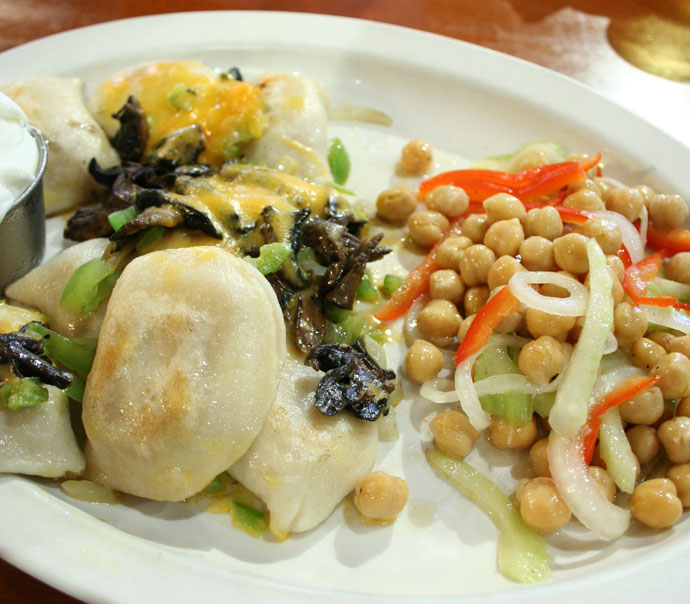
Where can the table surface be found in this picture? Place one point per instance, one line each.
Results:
(637, 52)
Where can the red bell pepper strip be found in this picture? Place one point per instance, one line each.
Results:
(675, 240)
(527, 185)
(638, 275)
(621, 393)
(416, 282)
(504, 303)
(623, 254)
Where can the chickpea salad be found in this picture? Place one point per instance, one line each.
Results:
(543, 306)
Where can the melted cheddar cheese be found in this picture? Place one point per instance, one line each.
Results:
(176, 94)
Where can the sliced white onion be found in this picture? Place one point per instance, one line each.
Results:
(608, 380)
(611, 344)
(467, 395)
(358, 113)
(410, 330)
(574, 305)
(438, 390)
(667, 316)
(581, 492)
(644, 225)
(388, 427)
(631, 238)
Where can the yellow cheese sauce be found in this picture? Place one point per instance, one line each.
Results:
(177, 94)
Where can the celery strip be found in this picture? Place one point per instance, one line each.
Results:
(516, 407)
(666, 287)
(615, 450)
(522, 555)
(570, 410)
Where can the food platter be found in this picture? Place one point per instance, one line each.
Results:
(465, 100)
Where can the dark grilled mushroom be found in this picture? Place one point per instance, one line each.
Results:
(133, 135)
(23, 355)
(353, 381)
(179, 148)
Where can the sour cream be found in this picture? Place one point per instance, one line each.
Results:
(18, 154)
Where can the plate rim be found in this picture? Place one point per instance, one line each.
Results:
(52, 575)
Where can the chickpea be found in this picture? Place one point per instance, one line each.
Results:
(476, 263)
(584, 199)
(643, 408)
(626, 201)
(538, 457)
(680, 475)
(643, 442)
(543, 222)
(450, 250)
(683, 407)
(439, 319)
(645, 354)
(655, 503)
(663, 338)
(570, 252)
(502, 270)
(674, 369)
(423, 361)
(541, 506)
(674, 435)
(617, 267)
(555, 291)
(396, 204)
(604, 482)
(464, 326)
(380, 496)
(506, 435)
(589, 185)
(540, 323)
(449, 200)
(427, 227)
(629, 323)
(509, 323)
(607, 234)
(680, 344)
(605, 187)
(475, 227)
(415, 158)
(504, 237)
(475, 298)
(678, 267)
(647, 193)
(446, 284)
(668, 211)
(503, 206)
(536, 254)
(453, 433)
(541, 359)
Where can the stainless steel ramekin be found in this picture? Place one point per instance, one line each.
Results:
(23, 230)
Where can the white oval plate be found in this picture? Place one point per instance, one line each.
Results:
(466, 100)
